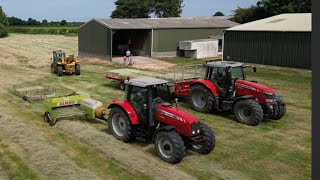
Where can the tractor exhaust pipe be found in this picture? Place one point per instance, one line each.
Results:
(150, 115)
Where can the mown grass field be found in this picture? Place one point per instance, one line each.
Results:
(62, 30)
(29, 148)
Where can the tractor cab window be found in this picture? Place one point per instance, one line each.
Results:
(237, 72)
(162, 92)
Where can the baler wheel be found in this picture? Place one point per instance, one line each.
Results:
(122, 86)
(170, 146)
(47, 119)
(248, 112)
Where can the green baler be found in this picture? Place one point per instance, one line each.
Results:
(75, 104)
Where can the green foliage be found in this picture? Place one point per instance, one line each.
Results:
(143, 8)
(168, 8)
(267, 8)
(3, 18)
(244, 15)
(218, 14)
(3, 31)
(63, 30)
(63, 23)
(132, 9)
(33, 22)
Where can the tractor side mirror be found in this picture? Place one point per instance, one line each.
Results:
(254, 69)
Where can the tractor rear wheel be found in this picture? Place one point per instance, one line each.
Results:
(206, 146)
(77, 67)
(170, 146)
(120, 125)
(248, 112)
(201, 98)
(281, 109)
(59, 70)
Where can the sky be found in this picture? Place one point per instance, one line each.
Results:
(84, 10)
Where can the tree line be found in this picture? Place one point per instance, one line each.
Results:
(13, 21)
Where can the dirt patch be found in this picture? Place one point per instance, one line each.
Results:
(146, 63)
(44, 157)
(137, 158)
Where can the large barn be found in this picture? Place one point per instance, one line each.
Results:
(153, 37)
(282, 40)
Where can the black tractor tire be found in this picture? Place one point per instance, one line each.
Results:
(122, 86)
(170, 146)
(59, 70)
(282, 109)
(206, 146)
(77, 67)
(248, 112)
(201, 98)
(120, 125)
(53, 69)
(47, 119)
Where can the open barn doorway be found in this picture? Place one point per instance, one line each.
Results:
(137, 41)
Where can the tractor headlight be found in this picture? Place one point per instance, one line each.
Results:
(270, 98)
(195, 128)
(193, 132)
(198, 131)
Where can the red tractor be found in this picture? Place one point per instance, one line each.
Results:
(224, 88)
(146, 114)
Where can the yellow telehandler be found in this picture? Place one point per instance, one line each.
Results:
(62, 64)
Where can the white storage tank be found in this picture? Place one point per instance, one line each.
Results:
(200, 48)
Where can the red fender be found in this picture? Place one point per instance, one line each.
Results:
(128, 109)
(208, 84)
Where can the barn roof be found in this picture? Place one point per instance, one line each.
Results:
(295, 22)
(167, 23)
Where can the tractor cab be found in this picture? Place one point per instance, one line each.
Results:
(58, 55)
(224, 74)
(144, 93)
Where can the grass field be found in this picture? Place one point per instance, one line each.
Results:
(77, 149)
(62, 30)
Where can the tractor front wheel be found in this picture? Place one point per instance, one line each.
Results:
(53, 69)
(281, 109)
(248, 112)
(120, 125)
(206, 146)
(170, 146)
(59, 70)
(77, 69)
(201, 98)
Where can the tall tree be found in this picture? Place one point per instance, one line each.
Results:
(63, 23)
(267, 8)
(3, 18)
(44, 22)
(167, 8)
(132, 9)
(218, 14)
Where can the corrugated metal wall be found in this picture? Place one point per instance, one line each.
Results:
(166, 40)
(95, 39)
(288, 49)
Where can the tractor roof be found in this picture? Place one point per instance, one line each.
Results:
(58, 51)
(145, 81)
(224, 64)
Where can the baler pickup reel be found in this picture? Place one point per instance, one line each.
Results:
(77, 104)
